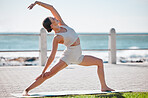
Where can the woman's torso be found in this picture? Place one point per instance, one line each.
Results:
(69, 37)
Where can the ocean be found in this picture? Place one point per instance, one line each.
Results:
(88, 42)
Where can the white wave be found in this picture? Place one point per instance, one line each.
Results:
(134, 47)
(99, 54)
(126, 55)
(133, 53)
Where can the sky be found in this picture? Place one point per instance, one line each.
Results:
(82, 15)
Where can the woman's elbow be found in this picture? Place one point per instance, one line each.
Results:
(50, 7)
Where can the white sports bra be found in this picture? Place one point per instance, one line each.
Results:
(70, 36)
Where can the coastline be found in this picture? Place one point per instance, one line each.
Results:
(32, 58)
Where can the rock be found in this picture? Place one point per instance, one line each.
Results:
(30, 59)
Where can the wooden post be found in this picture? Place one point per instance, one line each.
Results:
(112, 46)
(42, 47)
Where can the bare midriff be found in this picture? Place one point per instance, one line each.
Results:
(77, 42)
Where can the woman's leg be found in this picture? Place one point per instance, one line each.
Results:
(90, 60)
(59, 66)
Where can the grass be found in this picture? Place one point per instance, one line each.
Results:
(109, 95)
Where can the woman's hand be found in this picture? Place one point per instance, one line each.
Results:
(49, 7)
(32, 5)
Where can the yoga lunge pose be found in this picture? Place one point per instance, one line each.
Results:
(72, 54)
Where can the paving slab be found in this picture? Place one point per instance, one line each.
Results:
(14, 79)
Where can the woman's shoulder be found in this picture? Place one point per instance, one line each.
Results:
(58, 38)
(64, 25)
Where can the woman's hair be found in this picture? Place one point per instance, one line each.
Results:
(46, 24)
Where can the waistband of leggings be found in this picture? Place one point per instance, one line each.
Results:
(74, 46)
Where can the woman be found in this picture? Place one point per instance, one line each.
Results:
(73, 53)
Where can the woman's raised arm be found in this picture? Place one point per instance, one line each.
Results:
(51, 8)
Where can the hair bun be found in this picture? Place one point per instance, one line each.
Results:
(46, 24)
(49, 30)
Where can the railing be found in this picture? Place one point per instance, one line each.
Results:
(43, 45)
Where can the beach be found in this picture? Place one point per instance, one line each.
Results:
(32, 58)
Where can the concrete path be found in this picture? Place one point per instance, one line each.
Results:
(120, 77)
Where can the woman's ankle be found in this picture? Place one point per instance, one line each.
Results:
(104, 86)
(26, 90)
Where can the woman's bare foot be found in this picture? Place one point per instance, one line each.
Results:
(25, 93)
(106, 89)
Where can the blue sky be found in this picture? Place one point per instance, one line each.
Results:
(82, 15)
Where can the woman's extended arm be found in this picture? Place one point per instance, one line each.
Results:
(51, 8)
(53, 53)
(56, 40)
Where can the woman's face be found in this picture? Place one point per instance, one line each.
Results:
(54, 21)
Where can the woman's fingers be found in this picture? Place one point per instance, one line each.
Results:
(31, 6)
(43, 75)
(40, 76)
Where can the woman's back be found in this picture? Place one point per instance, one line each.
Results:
(70, 36)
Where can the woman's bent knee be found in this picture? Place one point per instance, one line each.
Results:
(100, 62)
